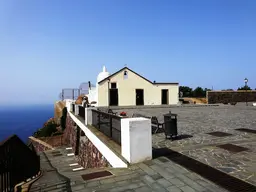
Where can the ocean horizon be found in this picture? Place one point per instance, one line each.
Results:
(23, 120)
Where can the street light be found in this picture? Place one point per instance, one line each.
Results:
(246, 81)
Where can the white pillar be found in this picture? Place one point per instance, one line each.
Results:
(68, 105)
(76, 109)
(136, 139)
(88, 115)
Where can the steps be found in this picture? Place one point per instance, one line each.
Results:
(51, 179)
(59, 175)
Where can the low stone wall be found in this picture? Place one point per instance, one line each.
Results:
(230, 96)
(40, 145)
(89, 156)
(54, 141)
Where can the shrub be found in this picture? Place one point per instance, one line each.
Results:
(48, 130)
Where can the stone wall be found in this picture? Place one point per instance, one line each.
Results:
(230, 96)
(54, 141)
(88, 155)
(39, 145)
(69, 135)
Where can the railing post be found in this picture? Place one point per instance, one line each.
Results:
(110, 125)
(88, 116)
(98, 120)
(76, 109)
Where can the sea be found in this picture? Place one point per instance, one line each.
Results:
(23, 120)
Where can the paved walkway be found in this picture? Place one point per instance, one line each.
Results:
(194, 124)
(160, 174)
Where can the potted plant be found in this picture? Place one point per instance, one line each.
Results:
(123, 113)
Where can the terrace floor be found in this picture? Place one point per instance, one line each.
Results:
(194, 126)
(158, 175)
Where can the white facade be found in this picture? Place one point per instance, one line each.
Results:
(127, 83)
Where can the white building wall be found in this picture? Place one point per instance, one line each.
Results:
(127, 88)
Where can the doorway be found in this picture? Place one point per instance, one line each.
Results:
(139, 97)
(165, 96)
(113, 97)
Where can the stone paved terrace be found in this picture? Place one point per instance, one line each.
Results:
(193, 125)
(159, 175)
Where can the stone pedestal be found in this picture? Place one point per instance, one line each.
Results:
(136, 139)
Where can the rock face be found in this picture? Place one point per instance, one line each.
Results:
(230, 96)
(58, 107)
(80, 99)
(88, 155)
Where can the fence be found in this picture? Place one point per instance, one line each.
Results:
(73, 107)
(18, 162)
(108, 124)
(81, 111)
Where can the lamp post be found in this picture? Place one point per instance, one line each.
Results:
(245, 82)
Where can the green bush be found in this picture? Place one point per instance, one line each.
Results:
(48, 130)
(63, 118)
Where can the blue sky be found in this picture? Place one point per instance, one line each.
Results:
(49, 45)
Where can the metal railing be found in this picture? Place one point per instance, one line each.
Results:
(18, 162)
(73, 107)
(81, 111)
(108, 124)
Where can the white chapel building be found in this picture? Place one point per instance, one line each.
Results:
(127, 88)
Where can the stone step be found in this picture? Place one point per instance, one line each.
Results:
(49, 186)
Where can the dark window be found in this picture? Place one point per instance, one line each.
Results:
(113, 86)
(125, 75)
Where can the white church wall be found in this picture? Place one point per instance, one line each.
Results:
(127, 87)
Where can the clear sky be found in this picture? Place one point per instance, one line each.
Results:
(48, 45)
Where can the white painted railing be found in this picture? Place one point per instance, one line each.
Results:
(136, 138)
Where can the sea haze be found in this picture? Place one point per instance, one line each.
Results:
(23, 120)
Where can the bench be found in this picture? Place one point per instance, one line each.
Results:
(112, 112)
(154, 121)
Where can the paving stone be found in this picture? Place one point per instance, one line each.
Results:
(148, 179)
(109, 180)
(158, 188)
(149, 163)
(123, 177)
(177, 182)
(190, 182)
(136, 185)
(160, 170)
(119, 189)
(173, 189)
(163, 182)
(187, 189)
(156, 176)
(147, 169)
(122, 183)
(92, 184)
(143, 189)
(78, 187)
